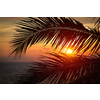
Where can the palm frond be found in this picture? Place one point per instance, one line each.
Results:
(58, 31)
(97, 21)
(64, 69)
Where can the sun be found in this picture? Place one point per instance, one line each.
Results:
(69, 51)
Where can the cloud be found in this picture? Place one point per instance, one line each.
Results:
(22, 59)
(40, 51)
(7, 41)
(46, 48)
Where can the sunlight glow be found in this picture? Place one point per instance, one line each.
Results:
(69, 51)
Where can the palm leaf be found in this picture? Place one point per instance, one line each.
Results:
(63, 68)
(97, 21)
(58, 31)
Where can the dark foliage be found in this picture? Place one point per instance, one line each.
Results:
(64, 69)
(63, 32)
(60, 32)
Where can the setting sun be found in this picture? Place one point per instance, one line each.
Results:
(69, 51)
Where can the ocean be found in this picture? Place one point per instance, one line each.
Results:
(11, 71)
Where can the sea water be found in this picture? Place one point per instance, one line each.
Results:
(10, 71)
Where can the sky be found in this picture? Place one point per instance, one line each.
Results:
(8, 29)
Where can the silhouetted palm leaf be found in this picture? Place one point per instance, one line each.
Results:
(63, 32)
(64, 68)
(97, 21)
(61, 68)
(60, 32)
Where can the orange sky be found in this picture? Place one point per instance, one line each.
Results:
(7, 29)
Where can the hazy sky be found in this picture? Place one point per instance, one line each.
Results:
(7, 29)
